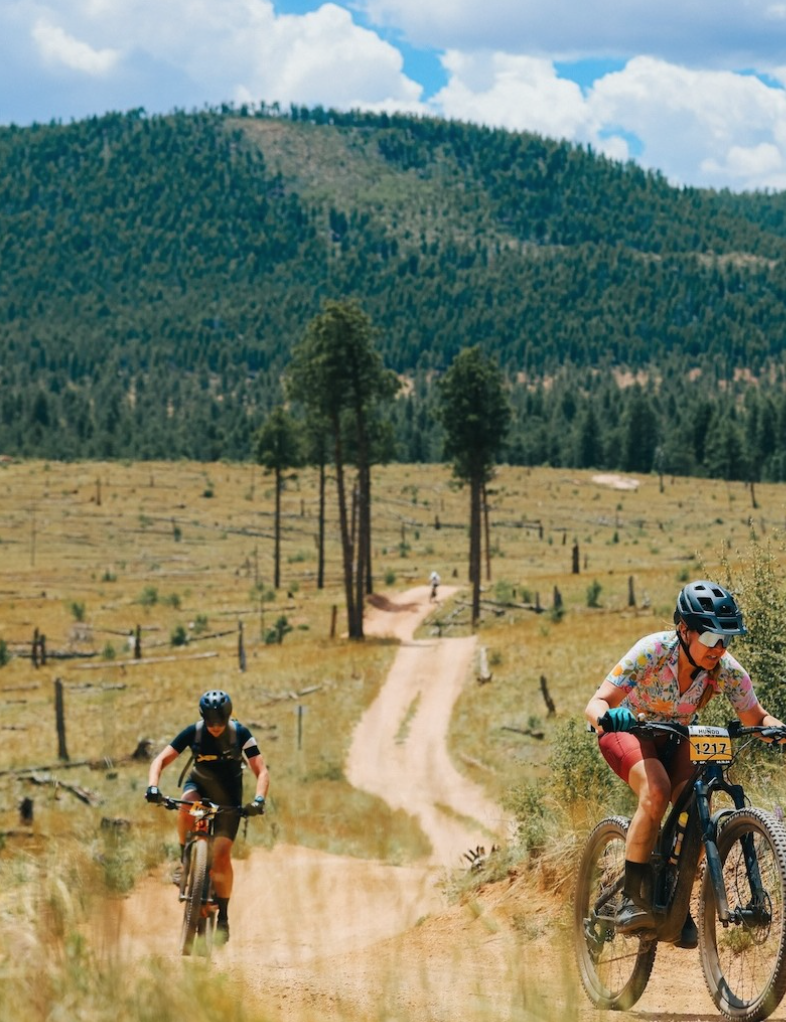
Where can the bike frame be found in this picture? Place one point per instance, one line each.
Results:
(673, 884)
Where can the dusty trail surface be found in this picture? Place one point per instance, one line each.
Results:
(325, 937)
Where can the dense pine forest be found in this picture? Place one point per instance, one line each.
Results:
(155, 273)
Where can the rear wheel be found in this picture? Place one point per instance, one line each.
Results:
(745, 963)
(196, 876)
(614, 969)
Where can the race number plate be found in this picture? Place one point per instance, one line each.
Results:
(709, 744)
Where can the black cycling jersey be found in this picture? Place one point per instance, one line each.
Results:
(217, 770)
(220, 759)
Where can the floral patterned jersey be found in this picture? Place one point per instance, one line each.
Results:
(648, 676)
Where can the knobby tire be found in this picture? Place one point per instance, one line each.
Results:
(195, 886)
(744, 964)
(614, 969)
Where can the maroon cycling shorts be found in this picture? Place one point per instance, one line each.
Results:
(622, 750)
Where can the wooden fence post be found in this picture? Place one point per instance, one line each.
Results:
(241, 650)
(576, 558)
(333, 616)
(62, 752)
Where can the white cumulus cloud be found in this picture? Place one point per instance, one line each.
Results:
(58, 47)
(696, 125)
(724, 34)
(509, 91)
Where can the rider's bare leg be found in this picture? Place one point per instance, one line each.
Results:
(651, 784)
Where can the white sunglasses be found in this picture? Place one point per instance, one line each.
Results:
(711, 639)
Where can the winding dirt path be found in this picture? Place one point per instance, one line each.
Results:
(399, 748)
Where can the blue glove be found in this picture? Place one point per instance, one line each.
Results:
(619, 718)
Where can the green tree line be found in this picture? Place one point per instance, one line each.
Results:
(157, 273)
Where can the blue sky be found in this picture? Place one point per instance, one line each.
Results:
(692, 88)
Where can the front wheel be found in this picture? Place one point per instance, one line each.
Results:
(196, 878)
(614, 969)
(745, 963)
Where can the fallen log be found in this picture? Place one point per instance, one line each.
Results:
(524, 731)
(90, 798)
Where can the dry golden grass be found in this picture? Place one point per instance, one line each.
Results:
(99, 541)
(93, 551)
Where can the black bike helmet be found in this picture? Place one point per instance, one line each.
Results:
(708, 607)
(215, 707)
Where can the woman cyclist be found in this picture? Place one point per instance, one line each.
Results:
(218, 745)
(668, 676)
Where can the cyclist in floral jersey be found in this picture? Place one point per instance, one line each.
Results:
(668, 676)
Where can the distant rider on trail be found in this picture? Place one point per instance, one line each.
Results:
(218, 744)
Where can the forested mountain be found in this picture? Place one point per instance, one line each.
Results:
(156, 271)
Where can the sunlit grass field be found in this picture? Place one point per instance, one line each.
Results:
(181, 554)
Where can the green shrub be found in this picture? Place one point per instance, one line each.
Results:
(275, 635)
(593, 593)
(527, 803)
(578, 772)
(179, 636)
(77, 608)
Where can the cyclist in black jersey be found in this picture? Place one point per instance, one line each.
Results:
(218, 744)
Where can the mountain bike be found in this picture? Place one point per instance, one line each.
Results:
(742, 897)
(196, 883)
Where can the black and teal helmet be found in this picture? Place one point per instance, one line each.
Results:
(708, 607)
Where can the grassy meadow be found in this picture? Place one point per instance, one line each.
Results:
(182, 553)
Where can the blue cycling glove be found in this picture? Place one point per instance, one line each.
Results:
(619, 718)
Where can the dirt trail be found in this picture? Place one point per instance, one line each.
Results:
(325, 937)
(398, 751)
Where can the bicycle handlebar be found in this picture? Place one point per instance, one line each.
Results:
(174, 803)
(736, 729)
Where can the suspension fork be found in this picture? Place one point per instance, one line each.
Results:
(711, 780)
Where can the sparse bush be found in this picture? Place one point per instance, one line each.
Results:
(148, 597)
(5, 655)
(593, 593)
(179, 636)
(276, 634)
(759, 586)
(77, 609)
(200, 624)
(527, 802)
(578, 772)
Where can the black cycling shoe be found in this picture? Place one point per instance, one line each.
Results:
(689, 938)
(631, 918)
